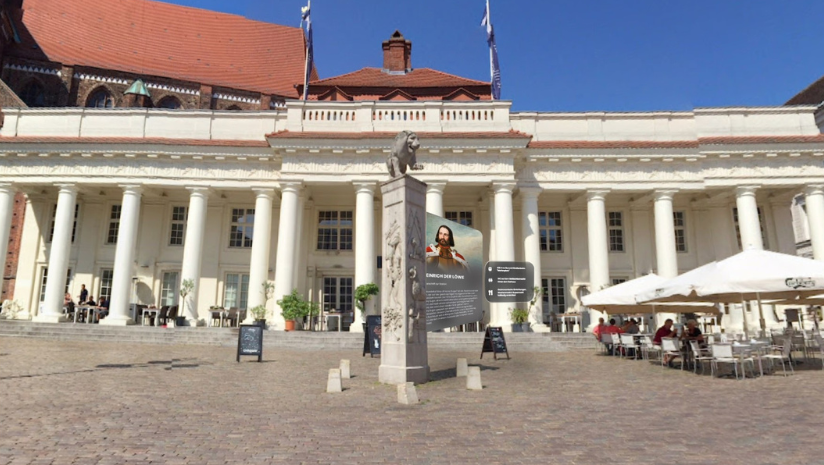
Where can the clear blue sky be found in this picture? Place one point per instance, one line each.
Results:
(580, 55)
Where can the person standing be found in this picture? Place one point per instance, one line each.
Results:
(84, 294)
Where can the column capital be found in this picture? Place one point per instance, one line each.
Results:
(131, 189)
(664, 194)
(291, 186)
(7, 187)
(367, 187)
(597, 194)
(67, 188)
(503, 187)
(530, 192)
(741, 191)
(814, 189)
(265, 192)
(199, 191)
(435, 186)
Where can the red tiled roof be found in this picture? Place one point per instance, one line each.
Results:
(622, 144)
(375, 77)
(159, 39)
(818, 138)
(812, 95)
(132, 140)
(391, 135)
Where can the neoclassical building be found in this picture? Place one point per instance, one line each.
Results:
(131, 201)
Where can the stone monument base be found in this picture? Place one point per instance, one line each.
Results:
(400, 375)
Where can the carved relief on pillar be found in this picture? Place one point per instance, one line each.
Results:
(393, 313)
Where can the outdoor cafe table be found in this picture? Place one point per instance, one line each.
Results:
(150, 312)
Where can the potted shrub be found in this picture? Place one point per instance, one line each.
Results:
(186, 288)
(363, 293)
(259, 312)
(293, 307)
(518, 316)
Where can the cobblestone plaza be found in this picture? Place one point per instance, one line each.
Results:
(102, 403)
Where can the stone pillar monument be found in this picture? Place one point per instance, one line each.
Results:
(404, 354)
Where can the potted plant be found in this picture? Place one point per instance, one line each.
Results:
(186, 288)
(363, 293)
(293, 307)
(259, 312)
(519, 316)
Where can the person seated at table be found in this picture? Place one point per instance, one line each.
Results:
(90, 302)
(631, 327)
(613, 328)
(692, 333)
(68, 303)
(103, 305)
(664, 331)
(599, 330)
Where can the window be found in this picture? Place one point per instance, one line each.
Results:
(178, 231)
(243, 225)
(549, 224)
(338, 294)
(74, 226)
(760, 224)
(33, 95)
(169, 288)
(101, 98)
(236, 293)
(616, 231)
(335, 230)
(169, 103)
(114, 224)
(105, 284)
(464, 218)
(44, 279)
(617, 281)
(680, 219)
(554, 296)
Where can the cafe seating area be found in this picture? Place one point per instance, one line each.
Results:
(724, 354)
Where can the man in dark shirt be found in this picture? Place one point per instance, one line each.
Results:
(664, 331)
(84, 294)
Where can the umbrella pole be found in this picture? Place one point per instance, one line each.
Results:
(744, 318)
(761, 319)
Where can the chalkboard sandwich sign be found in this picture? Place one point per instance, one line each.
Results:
(250, 341)
(494, 342)
(372, 336)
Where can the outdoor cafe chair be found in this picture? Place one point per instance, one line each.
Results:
(699, 355)
(723, 353)
(784, 352)
(648, 346)
(606, 340)
(628, 343)
(818, 346)
(670, 347)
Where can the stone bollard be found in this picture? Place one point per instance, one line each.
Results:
(407, 394)
(333, 383)
(473, 379)
(344, 369)
(461, 367)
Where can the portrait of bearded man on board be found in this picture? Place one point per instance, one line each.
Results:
(443, 254)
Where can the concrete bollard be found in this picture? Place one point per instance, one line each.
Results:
(473, 379)
(461, 369)
(407, 394)
(344, 369)
(333, 383)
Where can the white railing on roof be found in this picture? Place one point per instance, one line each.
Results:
(396, 116)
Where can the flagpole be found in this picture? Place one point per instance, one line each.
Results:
(306, 52)
(491, 57)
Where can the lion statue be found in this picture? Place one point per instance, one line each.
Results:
(403, 154)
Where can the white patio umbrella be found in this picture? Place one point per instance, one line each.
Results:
(750, 275)
(620, 299)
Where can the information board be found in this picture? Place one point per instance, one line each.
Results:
(454, 268)
(250, 341)
(494, 342)
(372, 336)
(509, 281)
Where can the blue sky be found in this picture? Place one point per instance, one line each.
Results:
(579, 55)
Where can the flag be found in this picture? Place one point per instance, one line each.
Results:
(306, 18)
(494, 66)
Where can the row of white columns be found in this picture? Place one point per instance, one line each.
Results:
(502, 241)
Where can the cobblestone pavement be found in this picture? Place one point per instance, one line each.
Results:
(103, 403)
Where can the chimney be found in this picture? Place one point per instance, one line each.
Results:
(397, 54)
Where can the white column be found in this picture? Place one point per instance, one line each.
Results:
(598, 250)
(434, 197)
(287, 231)
(193, 250)
(504, 243)
(532, 249)
(261, 243)
(52, 311)
(365, 259)
(6, 211)
(119, 311)
(814, 203)
(665, 235)
(748, 221)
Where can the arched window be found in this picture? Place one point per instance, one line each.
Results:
(100, 98)
(170, 103)
(34, 95)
